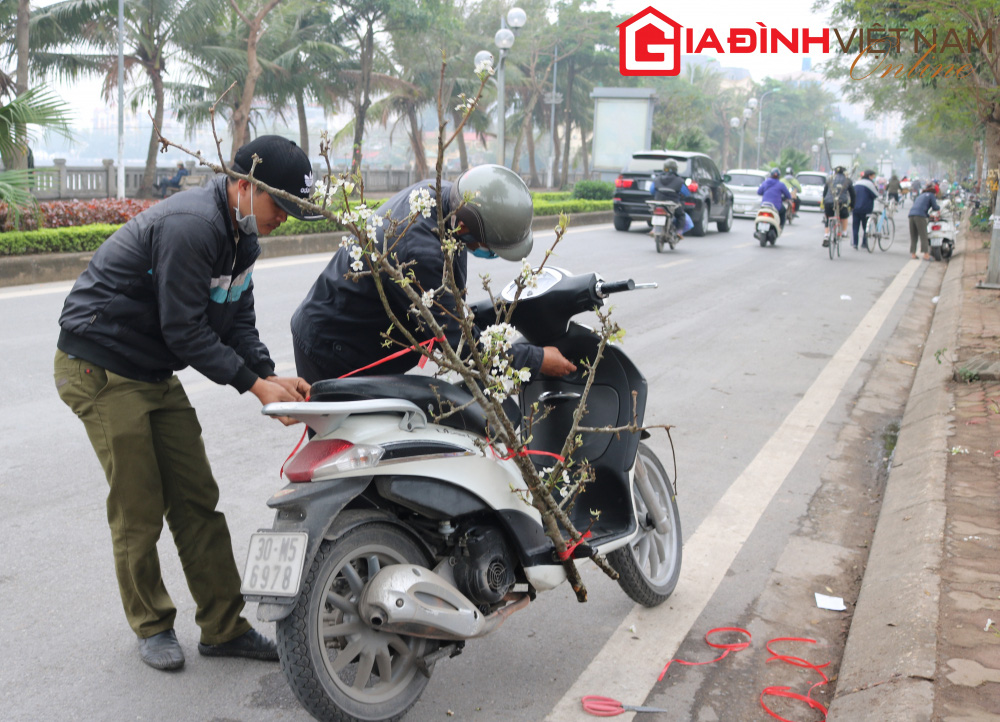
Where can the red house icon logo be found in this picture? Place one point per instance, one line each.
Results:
(649, 43)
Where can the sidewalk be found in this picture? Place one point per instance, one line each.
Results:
(917, 648)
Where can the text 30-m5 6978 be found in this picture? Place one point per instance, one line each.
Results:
(274, 564)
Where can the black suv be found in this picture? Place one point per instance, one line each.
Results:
(710, 200)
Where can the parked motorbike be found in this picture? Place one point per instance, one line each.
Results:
(664, 230)
(767, 225)
(941, 232)
(402, 533)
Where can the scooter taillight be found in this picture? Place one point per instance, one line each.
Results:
(331, 456)
(659, 211)
(936, 228)
(766, 214)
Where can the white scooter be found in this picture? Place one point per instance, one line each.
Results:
(941, 232)
(403, 533)
(767, 225)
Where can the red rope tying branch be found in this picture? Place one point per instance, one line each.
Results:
(525, 452)
(735, 647)
(429, 343)
(570, 548)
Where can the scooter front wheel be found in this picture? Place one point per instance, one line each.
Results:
(339, 668)
(650, 565)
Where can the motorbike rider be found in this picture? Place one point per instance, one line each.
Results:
(340, 325)
(773, 191)
(844, 197)
(668, 186)
(169, 289)
(865, 193)
(794, 187)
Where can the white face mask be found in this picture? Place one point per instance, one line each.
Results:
(247, 224)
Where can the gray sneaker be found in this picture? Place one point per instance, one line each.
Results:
(162, 651)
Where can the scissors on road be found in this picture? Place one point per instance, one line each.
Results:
(607, 707)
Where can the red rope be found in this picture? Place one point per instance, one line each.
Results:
(735, 647)
(570, 548)
(429, 343)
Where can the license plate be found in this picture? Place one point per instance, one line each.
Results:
(274, 563)
(763, 227)
(659, 220)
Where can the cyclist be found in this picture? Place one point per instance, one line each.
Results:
(865, 194)
(893, 187)
(840, 191)
(668, 186)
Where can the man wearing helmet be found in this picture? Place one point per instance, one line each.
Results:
(339, 326)
(838, 191)
(668, 186)
(773, 191)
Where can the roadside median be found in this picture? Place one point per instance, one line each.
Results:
(49, 267)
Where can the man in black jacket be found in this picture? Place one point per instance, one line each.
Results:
(172, 288)
(338, 327)
(668, 186)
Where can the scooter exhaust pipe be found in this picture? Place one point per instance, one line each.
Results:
(415, 601)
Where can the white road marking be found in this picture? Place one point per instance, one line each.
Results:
(36, 290)
(678, 262)
(711, 550)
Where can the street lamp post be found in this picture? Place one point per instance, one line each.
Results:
(826, 144)
(504, 40)
(760, 117)
(815, 151)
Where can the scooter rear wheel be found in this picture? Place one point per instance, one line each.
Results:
(339, 668)
(649, 566)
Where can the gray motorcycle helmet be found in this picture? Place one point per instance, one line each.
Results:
(670, 165)
(499, 212)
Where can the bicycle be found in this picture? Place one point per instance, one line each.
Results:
(880, 229)
(834, 231)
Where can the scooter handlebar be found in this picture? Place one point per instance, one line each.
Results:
(606, 289)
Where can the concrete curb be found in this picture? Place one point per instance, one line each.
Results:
(890, 658)
(48, 267)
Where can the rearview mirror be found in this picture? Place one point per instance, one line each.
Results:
(727, 178)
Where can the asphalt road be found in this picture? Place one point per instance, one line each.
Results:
(733, 340)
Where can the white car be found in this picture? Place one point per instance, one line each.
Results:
(744, 184)
(812, 189)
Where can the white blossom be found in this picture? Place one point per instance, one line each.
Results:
(357, 266)
(421, 202)
(427, 298)
(484, 66)
(524, 375)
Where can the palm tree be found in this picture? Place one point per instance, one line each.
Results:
(35, 108)
(155, 33)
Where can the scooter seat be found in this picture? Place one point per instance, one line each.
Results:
(430, 394)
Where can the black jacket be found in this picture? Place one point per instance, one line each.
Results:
(846, 195)
(170, 289)
(340, 323)
(667, 186)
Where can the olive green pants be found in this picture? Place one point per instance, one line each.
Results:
(148, 439)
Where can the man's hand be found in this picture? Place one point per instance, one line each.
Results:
(293, 385)
(275, 388)
(554, 363)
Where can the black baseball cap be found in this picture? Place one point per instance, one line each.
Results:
(282, 165)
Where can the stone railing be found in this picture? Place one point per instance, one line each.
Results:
(65, 182)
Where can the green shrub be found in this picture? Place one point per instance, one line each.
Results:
(594, 190)
(570, 205)
(551, 196)
(981, 220)
(56, 240)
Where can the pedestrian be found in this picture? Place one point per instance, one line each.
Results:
(172, 288)
(174, 182)
(339, 326)
(919, 211)
(865, 194)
